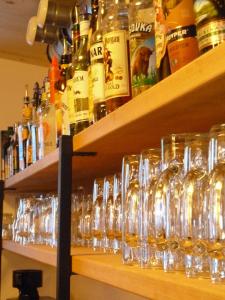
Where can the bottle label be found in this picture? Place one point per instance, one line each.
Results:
(70, 99)
(65, 114)
(80, 88)
(98, 82)
(22, 146)
(84, 27)
(182, 46)
(34, 142)
(96, 51)
(206, 10)
(160, 32)
(211, 34)
(116, 64)
(142, 51)
(58, 113)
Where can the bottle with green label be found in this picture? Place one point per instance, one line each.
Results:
(142, 45)
(80, 78)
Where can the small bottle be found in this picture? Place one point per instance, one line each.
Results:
(23, 131)
(35, 120)
(80, 78)
(182, 44)
(15, 150)
(47, 126)
(116, 56)
(70, 71)
(142, 45)
(97, 67)
(210, 22)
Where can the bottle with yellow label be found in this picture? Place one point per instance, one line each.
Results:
(116, 56)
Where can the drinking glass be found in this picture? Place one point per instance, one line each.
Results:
(194, 208)
(86, 221)
(76, 216)
(35, 236)
(118, 217)
(108, 209)
(130, 208)
(98, 215)
(167, 198)
(150, 167)
(7, 221)
(216, 198)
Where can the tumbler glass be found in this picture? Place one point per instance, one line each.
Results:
(194, 208)
(98, 215)
(76, 216)
(130, 208)
(118, 217)
(216, 198)
(167, 198)
(86, 232)
(7, 222)
(150, 167)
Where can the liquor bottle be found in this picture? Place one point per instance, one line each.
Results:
(97, 67)
(23, 131)
(92, 29)
(142, 45)
(116, 56)
(182, 44)
(15, 150)
(10, 154)
(162, 59)
(47, 126)
(71, 69)
(80, 78)
(210, 22)
(61, 107)
(34, 125)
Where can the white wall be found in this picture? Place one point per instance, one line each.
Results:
(14, 76)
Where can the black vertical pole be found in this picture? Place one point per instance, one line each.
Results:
(1, 217)
(63, 271)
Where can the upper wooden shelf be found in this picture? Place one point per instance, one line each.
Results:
(152, 284)
(192, 99)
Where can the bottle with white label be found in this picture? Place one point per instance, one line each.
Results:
(142, 45)
(80, 78)
(97, 67)
(116, 56)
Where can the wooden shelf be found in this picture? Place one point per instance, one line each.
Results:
(152, 284)
(192, 99)
(44, 254)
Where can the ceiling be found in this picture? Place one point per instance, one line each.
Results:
(14, 17)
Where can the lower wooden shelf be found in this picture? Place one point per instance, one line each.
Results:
(107, 268)
(152, 284)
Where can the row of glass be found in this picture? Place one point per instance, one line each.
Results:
(165, 210)
(172, 212)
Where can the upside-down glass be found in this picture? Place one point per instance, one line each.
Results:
(216, 198)
(194, 208)
(7, 221)
(167, 202)
(150, 167)
(130, 208)
(109, 213)
(76, 216)
(118, 217)
(98, 222)
(86, 232)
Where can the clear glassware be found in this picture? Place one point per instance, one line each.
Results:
(150, 168)
(98, 223)
(54, 204)
(130, 209)
(216, 200)
(86, 232)
(167, 198)
(77, 202)
(194, 208)
(109, 212)
(118, 216)
(7, 221)
(35, 236)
